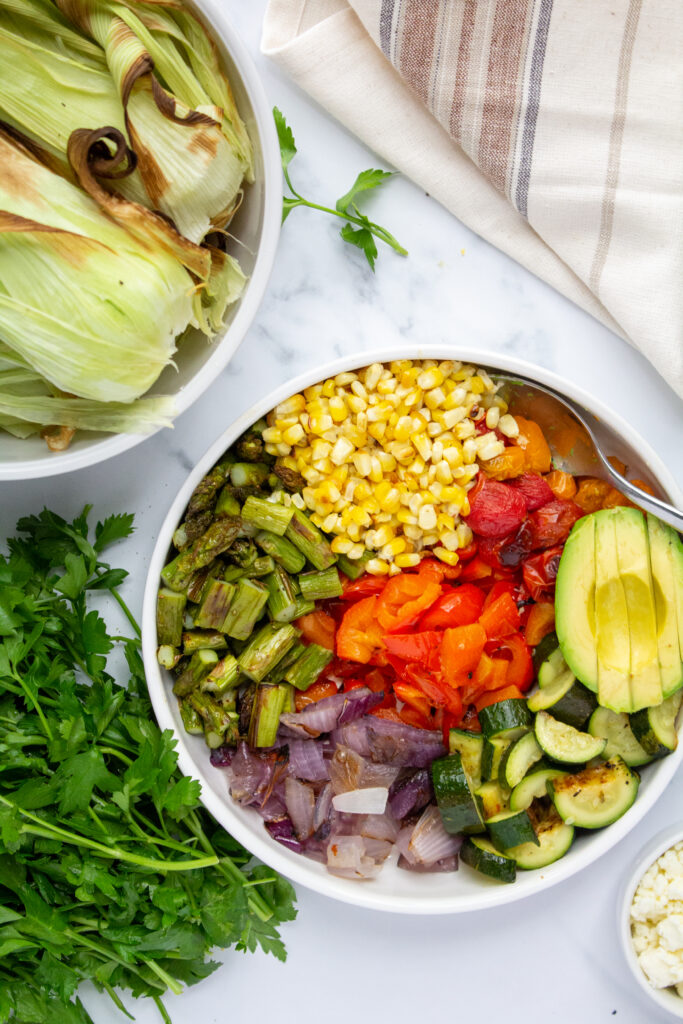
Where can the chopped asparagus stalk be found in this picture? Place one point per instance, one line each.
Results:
(269, 702)
(219, 536)
(243, 553)
(304, 672)
(191, 529)
(288, 703)
(170, 615)
(199, 581)
(277, 674)
(248, 474)
(263, 566)
(227, 504)
(232, 573)
(266, 648)
(192, 720)
(310, 541)
(204, 495)
(246, 608)
(282, 602)
(216, 600)
(219, 721)
(250, 445)
(303, 607)
(318, 586)
(168, 656)
(284, 553)
(199, 665)
(354, 568)
(266, 515)
(203, 640)
(223, 677)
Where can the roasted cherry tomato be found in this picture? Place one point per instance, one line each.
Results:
(540, 572)
(534, 488)
(496, 509)
(551, 524)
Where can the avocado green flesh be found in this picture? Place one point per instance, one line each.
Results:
(575, 603)
(633, 556)
(666, 560)
(611, 619)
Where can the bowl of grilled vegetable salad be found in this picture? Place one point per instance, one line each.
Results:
(414, 663)
(149, 211)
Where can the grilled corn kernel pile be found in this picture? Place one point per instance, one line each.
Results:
(388, 455)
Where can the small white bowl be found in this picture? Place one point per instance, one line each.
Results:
(662, 842)
(257, 226)
(393, 890)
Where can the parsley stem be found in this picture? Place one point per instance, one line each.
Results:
(375, 229)
(229, 868)
(126, 610)
(48, 831)
(162, 1010)
(116, 1001)
(168, 981)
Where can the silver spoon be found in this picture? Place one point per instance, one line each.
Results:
(561, 419)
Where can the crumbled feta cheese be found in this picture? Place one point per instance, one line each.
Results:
(657, 921)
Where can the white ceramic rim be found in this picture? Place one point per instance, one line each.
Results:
(295, 866)
(658, 845)
(226, 346)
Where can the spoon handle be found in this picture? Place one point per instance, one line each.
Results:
(662, 509)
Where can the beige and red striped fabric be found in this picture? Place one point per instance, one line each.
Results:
(552, 128)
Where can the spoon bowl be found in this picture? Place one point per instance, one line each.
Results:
(578, 442)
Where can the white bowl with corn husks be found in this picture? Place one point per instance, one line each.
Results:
(392, 889)
(196, 295)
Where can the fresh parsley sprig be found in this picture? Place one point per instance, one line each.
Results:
(358, 230)
(110, 869)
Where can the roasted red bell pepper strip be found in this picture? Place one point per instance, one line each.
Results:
(420, 647)
(495, 696)
(359, 636)
(439, 694)
(461, 650)
(412, 696)
(475, 569)
(541, 621)
(520, 670)
(501, 618)
(366, 586)
(457, 607)
(318, 628)
(403, 599)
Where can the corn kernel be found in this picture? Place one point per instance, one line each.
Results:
(508, 425)
(406, 561)
(271, 435)
(377, 567)
(444, 555)
(294, 404)
(377, 431)
(423, 446)
(356, 404)
(427, 517)
(492, 417)
(341, 545)
(341, 451)
(430, 378)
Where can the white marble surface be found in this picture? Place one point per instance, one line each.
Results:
(554, 957)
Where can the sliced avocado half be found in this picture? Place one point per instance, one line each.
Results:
(666, 561)
(575, 602)
(633, 555)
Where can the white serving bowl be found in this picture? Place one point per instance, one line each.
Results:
(648, 855)
(394, 889)
(256, 225)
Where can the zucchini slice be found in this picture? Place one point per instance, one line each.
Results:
(655, 728)
(568, 699)
(507, 718)
(511, 828)
(481, 854)
(454, 796)
(533, 786)
(492, 799)
(542, 651)
(470, 746)
(564, 743)
(596, 796)
(518, 759)
(614, 726)
(553, 838)
(494, 750)
(552, 667)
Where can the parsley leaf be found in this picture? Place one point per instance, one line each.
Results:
(110, 869)
(359, 230)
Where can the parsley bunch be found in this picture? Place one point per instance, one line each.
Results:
(110, 870)
(358, 230)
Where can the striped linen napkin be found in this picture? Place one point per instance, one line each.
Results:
(552, 128)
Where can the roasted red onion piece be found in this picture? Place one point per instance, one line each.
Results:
(306, 760)
(326, 714)
(410, 793)
(300, 801)
(393, 743)
(428, 841)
